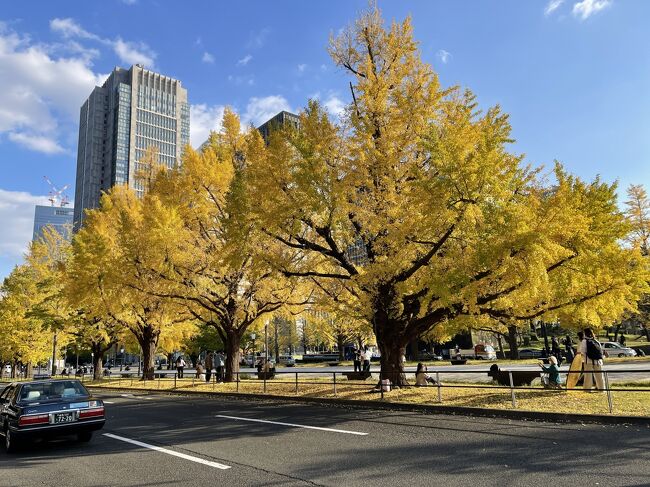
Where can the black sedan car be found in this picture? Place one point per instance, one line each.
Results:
(48, 408)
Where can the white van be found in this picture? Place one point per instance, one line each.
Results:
(286, 360)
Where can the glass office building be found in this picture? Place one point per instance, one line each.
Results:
(56, 217)
(133, 111)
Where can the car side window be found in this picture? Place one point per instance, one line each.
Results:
(6, 394)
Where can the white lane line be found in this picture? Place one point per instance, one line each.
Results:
(169, 452)
(293, 425)
(109, 402)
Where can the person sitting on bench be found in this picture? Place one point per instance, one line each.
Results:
(553, 371)
(421, 376)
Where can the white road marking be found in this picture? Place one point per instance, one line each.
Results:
(293, 425)
(109, 402)
(169, 452)
(133, 396)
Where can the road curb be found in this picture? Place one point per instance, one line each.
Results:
(422, 408)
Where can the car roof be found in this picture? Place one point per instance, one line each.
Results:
(43, 381)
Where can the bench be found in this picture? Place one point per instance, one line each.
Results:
(265, 375)
(357, 375)
(519, 377)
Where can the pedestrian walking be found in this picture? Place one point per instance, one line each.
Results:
(356, 360)
(366, 356)
(622, 340)
(180, 366)
(220, 365)
(209, 363)
(555, 350)
(568, 349)
(592, 357)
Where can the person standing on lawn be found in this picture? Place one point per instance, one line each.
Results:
(592, 358)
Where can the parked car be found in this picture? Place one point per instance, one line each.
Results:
(286, 360)
(479, 352)
(530, 353)
(47, 408)
(613, 349)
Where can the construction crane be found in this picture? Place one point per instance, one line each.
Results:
(57, 196)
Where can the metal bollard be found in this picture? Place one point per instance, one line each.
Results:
(439, 389)
(159, 377)
(609, 394)
(264, 382)
(175, 375)
(296, 382)
(512, 390)
(237, 379)
(381, 386)
(334, 376)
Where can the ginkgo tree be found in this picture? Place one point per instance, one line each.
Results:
(216, 262)
(449, 221)
(117, 257)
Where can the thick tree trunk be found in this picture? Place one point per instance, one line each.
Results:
(500, 341)
(148, 340)
(233, 341)
(616, 330)
(392, 367)
(415, 352)
(340, 343)
(98, 364)
(512, 341)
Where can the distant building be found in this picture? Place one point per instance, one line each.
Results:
(133, 110)
(280, 120)
(57, 217)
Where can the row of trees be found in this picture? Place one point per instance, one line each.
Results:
(449, 228)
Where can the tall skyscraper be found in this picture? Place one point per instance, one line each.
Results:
(57, 217)
(133, 110)
(282, 119)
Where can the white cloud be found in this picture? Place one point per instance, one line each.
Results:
(259, 110)
(204, 118)
(242, 80)
(301, 68)
(207, 58)
(444, 56)
(38, 143)
(323, 67)
(245, 60)
(41, 91)
(258, 39)
(552, 6)
(335, 106)
(17, 217)
(587, 8)
(134, 53)
(69, 28)
(128, 52)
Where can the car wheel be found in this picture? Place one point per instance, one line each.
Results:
(85, 437)
(11, 443)
(621, 355)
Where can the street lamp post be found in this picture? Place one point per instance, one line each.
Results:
(122, 361)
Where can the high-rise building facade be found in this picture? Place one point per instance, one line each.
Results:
(282, 119)
(133, 110)
(57, 217)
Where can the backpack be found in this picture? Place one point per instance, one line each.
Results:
(594, 351)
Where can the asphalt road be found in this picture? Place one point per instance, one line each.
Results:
(219, 445)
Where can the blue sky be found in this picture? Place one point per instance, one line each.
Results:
(574, 75)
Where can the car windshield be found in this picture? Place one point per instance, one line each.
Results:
(47, 391)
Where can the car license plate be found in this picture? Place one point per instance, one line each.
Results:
(64, 418)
